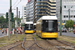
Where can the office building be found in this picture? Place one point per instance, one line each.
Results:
(38, 8)
(29, 10)
(68, 10)
(24, 14)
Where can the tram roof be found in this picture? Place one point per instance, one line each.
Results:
(28, 22)
(48, 18)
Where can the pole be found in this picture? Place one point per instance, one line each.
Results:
(10, 11)
(9, 27)
(60, 17)
(69, 14)
(10, 5)
(17, 15)
(19, 18)
(34, 15)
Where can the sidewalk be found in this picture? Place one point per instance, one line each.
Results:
(2, 35)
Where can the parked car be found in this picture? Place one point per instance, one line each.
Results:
(64, 30)
(74, 31)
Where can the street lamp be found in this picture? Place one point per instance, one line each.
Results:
(69, 12)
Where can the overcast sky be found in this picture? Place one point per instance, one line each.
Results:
(5, 5)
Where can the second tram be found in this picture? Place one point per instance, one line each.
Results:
(47, 27)
(29, 27)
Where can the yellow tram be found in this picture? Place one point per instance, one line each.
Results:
(47, 27)
(29, 27)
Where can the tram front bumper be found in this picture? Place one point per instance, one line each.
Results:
(49, 35)
(29, 31)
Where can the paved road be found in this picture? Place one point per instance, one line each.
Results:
(63, 33)
(68, 34)
(1, 35)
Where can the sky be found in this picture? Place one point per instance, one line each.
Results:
(5, 5)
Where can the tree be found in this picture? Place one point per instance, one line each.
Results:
(3, 22)
(69, 24)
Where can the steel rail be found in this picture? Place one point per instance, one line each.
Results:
(58, 47)
(38, 45)
(66, 44)
(14, 46)
(18, 44)
(23, 43)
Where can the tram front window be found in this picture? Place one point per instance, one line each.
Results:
(49, 26)
(28, 26)
(31, 26)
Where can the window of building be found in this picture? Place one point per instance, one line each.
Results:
(64, 6)
(65, 16)
(65, 11)
(74, 16)
(24, 8)
(71, 16)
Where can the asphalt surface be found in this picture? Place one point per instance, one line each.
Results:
(2, 35)
(67, 34)
(63, 33)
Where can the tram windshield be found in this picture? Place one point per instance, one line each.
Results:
(49, 26)
(28, 26)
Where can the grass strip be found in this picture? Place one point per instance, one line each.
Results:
(67, 38)
(4, 40)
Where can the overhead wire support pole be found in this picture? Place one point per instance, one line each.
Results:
(16, 20)
(10, 14)
(34, 21)
(10, 11)
(19, 18)
(60, 17)
(9, 27)
(17, 15)
(10, 5)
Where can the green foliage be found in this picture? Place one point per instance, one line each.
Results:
(69, 24)
(22, 24)
(3, 22)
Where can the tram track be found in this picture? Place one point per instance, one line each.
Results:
(60, 45)
(22, 46)
(34, 44)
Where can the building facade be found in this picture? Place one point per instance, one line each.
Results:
(29, 10)
(44, 7)
(68, 10)
(24, 14)
(38, 8)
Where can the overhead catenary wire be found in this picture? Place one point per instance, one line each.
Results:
(17, 4)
